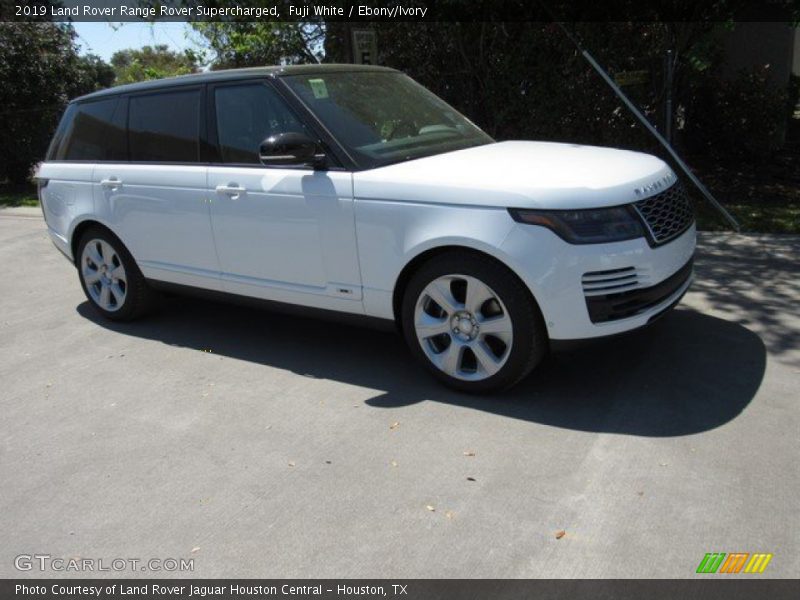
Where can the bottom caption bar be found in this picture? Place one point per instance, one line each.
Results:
(427, 589)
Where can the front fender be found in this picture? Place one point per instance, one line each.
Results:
(392, 234)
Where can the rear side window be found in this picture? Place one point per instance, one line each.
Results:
(63, 126)
(165, 127)
(247, 114)
(92, 131)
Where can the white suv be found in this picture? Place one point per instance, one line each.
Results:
(355, 190)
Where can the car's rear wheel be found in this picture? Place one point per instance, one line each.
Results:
(110, 277)
(472, 322)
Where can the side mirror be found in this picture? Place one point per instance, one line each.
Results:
(287, 149)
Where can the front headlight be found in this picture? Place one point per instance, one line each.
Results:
(590, 226)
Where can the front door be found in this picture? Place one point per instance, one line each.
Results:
(283, 234)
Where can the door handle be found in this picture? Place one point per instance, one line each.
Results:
(233, 190)
(111, 183)
(230, 189)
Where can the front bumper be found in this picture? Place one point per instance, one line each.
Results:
(595, 290)
(612, 305)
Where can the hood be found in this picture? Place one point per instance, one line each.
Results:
(520, 175)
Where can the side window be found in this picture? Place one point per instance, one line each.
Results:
(63, 126)
(246, 115)
(95, 131)
(164, 127)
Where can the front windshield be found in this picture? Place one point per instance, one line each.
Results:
(384, 117)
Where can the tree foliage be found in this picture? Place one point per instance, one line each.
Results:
(736, 120)
(236, 44)
(151, 62)
(40, 70)
(240, 43)
(527, 80)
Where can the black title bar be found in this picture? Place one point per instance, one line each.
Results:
(399, 10)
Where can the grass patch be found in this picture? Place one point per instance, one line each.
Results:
(763, 198)
(12, 196)
(752, 217)
(768, 218)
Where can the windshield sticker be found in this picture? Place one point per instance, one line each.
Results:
(319, 88)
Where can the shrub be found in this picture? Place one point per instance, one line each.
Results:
(742, 119)
(40, 70)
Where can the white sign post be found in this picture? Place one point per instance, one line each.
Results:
(365, 47)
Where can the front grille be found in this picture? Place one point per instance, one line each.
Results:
(615, 304)
(667, 215)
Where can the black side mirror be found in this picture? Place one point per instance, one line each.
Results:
(288, 149)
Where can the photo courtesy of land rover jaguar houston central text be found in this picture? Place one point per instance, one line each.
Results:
(353, 189)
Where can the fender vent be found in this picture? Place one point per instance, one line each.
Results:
(598, 283)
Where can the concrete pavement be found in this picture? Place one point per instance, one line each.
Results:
(262, 445)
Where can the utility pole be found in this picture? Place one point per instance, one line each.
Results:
(668, 110)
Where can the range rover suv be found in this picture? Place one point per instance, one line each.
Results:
(353, 189)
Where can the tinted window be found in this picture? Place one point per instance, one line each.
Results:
(63, 126)
(165, 126)
(246, 115)
(92, 131)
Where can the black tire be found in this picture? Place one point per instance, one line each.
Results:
(138, 296)
(529, 343)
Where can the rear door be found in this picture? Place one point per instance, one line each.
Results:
(157, 200)
(89, 132)
(284, 234)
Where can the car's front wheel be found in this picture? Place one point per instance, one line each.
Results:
(110, 277)
(472, 322)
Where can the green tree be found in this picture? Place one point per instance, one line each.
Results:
(40, 70)
(252, 44)
(95, 73)
(151, 62)
(239, 42)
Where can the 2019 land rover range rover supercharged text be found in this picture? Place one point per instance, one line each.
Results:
(353, 189)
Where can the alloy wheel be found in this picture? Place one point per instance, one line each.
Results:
(104, 275)
(463, 327)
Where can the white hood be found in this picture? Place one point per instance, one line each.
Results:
(518, 174)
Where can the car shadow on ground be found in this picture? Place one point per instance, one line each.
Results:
(684, 374)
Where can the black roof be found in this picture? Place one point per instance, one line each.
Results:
(232, 74)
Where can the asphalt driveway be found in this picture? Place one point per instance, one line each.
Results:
(263, 445)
